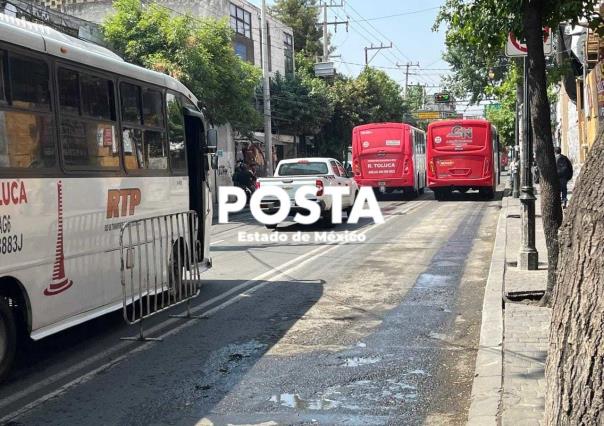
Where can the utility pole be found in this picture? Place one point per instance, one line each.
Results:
(377, 48)
(407, 66)
(528, 258)
(268, 131)
(325, 23)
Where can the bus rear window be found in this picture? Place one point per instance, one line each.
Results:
(388, 139)
(303, 169)
(459, 138)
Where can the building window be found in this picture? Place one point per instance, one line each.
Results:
(241, 21)
(241, 50)
(288, 51)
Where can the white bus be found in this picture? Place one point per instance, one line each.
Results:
(87, 143)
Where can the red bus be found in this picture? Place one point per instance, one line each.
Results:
(462, 155)
(389, 157)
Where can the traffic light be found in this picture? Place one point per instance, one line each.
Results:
(442, 98)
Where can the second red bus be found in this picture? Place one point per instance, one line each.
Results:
(389, 157)
(462, 155)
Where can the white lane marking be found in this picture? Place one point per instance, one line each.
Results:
(261, 282)
(216, 242)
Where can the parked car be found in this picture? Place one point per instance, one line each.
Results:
(292, 174)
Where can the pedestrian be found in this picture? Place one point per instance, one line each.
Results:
(536, 174)
(565, 173)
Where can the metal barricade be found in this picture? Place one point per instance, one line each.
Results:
(159, 265)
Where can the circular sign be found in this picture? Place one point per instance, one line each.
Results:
(438, 139)
(365, 144)
(522, 46)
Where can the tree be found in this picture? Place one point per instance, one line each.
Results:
(300, 106)
(302, 17)
(575, 364)
(372, 97)
(504, 116)
(478, 29)
(197, 52)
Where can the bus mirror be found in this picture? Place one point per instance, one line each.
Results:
(214, 162)
(212, 140)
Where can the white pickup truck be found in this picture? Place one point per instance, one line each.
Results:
(320, 172)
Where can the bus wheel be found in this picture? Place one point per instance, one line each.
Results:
(486, 193)
(420, 189)
(326, 220)
(8, 338)
(178, 262)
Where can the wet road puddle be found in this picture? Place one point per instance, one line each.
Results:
(427, 280)
(293, 400)
(357, 361)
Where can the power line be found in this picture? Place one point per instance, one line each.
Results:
(410, 12)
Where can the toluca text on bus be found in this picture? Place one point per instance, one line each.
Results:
(89, 143)
(462, 155)
(389, 157)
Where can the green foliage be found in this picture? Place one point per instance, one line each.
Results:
(370, 98)
(504, 117)
(477, 31)
(302, 17)
(199, 53)
(299, 105)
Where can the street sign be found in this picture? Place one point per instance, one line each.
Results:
(428, 115)
(492, 107)
(516, 48)
(325, 69)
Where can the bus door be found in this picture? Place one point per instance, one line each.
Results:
(459, 151)
(197, 168)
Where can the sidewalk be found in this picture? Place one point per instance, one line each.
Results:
(509, 383)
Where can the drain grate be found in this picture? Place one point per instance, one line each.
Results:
(519, 296)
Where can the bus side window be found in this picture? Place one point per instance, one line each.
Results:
(26, 124)
(176, 135)
(142, 132)
(87, 121)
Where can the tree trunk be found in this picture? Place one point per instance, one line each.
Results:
(551, 208)
(575, 365)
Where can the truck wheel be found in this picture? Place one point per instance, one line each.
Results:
(8, 338)
(326, 219)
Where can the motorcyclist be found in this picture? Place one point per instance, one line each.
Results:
(243, 178)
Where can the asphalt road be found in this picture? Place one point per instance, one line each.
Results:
(382, 331)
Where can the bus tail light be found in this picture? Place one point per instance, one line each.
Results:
(432, 167)
(356, 167)
(406, 166)
(320, 187)
(487, 167)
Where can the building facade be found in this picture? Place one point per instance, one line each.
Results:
(580, 104)
(243, 16)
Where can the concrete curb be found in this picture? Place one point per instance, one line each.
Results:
(488, 376)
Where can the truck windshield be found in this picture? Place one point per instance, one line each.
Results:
(303, 169)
